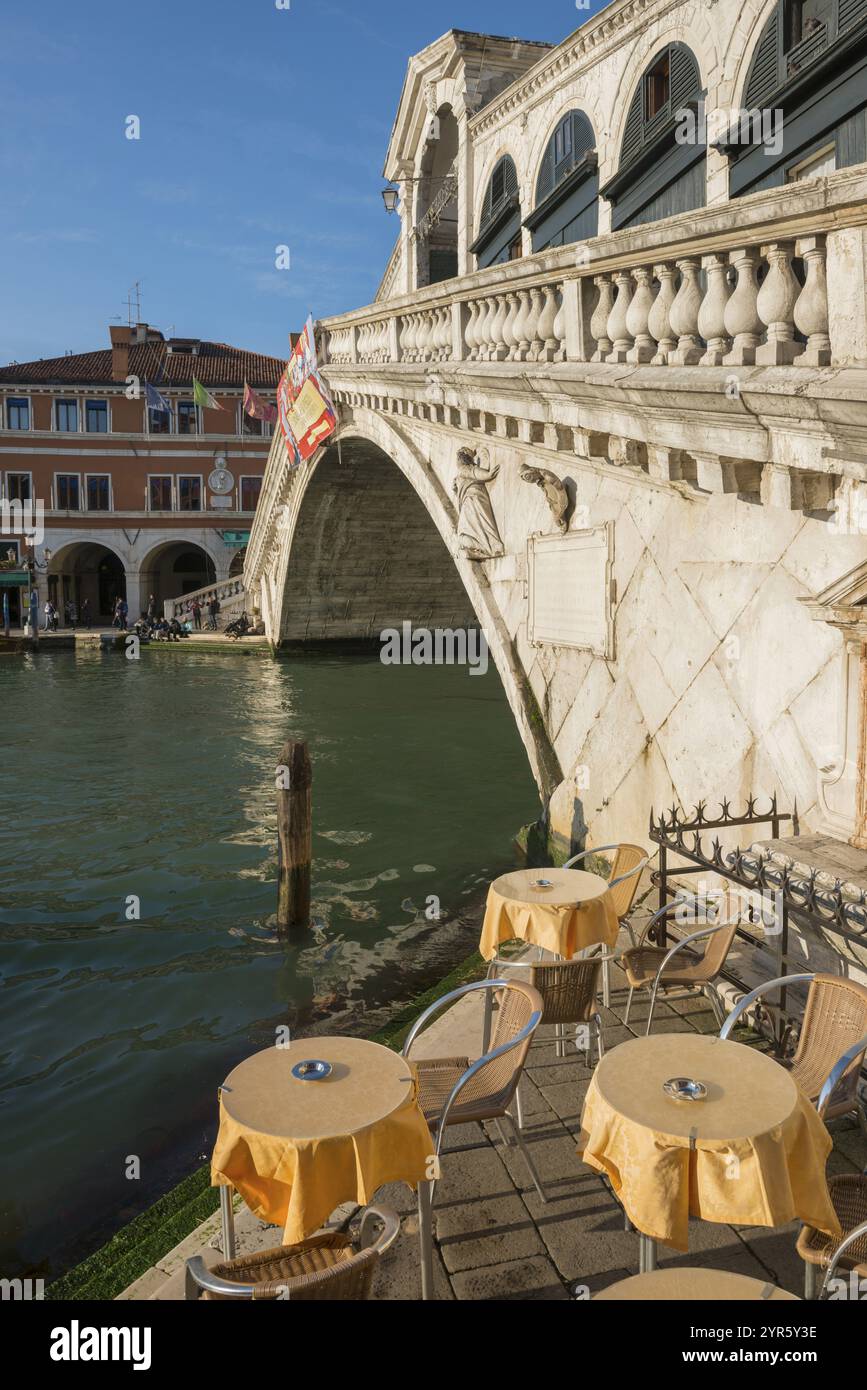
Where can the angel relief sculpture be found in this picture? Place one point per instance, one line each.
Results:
(478, 535)
(554, 491)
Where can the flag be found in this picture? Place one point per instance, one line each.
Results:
(155, 401)
(258, 409)
(307, 416)
(203, 397)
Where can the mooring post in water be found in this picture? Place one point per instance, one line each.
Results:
(294, 831)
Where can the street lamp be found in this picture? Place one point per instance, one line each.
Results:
(390, 197)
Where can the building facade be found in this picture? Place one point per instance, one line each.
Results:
(136, 501)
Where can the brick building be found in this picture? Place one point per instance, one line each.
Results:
(136, 501)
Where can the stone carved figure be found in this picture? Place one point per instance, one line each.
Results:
(478, 535)
(555, 492)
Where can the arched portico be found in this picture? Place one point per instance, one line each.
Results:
(174, 568)
(87, 570)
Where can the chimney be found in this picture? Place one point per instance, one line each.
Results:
(120, 340)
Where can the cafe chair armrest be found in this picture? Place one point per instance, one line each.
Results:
(838, 1071)
(853, 1236)
(750, 999)
(438, 1004)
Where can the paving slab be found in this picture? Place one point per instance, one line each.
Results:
(531, 1279)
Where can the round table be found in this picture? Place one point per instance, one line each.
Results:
(752, 1153)
(562, 910)
(693, 1285)
(296, 1149)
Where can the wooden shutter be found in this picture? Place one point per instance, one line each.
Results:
(634, 126)
(684, 81)
(764, 74)
(850, 12)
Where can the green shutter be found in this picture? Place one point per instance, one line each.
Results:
(764, 74)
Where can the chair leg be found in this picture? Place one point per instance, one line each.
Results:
(810, 1280)
(650, 1013)
(228, 1217)
(486, 1026)
(537, 1181)
(519, 1110)
(861, 1109)
(600, 1046)
(425, 1239)
(628, 1004)
(710, 994)
(606, 983)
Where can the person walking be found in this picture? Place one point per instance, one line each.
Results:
(124, 610)
(48, 610)
(152, 609)
(196, 609)
(85, 613)
(71, 614)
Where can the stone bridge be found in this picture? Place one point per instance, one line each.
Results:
(661, 520)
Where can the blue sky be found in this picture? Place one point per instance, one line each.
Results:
(259, 127)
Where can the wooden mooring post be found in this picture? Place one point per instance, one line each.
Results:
(294, 783)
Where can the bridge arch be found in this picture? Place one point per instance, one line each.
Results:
(368, 540)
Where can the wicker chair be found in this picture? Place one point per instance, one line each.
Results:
(568, 989)
(658, 967)
(627, 865)
(817, 1250)
(834, 1026)
(323, 1266)
(454, 1091)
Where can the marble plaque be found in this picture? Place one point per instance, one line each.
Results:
(570, 590)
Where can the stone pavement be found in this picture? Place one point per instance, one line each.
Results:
(494, 1238)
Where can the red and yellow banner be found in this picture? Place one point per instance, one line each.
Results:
(306, 414)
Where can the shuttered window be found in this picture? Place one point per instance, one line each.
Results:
(565, 150)
(764, 75)
(503, 186)
(668, 85)
(851, 12)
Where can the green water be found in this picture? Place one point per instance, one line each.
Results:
(156, 779)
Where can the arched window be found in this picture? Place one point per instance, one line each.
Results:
(499, 237)
(804, 106)
(662, 157)
(567, 188)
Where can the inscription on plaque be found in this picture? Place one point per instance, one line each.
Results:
(570, 590)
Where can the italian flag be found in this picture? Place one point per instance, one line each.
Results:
(203, 397)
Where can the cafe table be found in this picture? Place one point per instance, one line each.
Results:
(560, 910)
(752, 1152)
(693, 1285)
(296, 1149)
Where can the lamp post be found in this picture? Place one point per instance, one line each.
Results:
(33, 567)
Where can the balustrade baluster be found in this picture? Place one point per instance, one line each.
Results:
(811, 310)
(742, 322)
(659, 318)
(600, 317)
(470, 331)
(545, 331)
(560, 325)
(684, 316)
(509, 326)
(617, 330)
(521, 330)
(534, 315)
(500, 350)
(776, 306)
(637, 316)
(711, 315)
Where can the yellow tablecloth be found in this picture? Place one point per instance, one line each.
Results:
(693, 1286)
(752, 1154)
(296, 1149)
(576, 911)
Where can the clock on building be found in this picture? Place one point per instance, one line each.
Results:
(221, 481)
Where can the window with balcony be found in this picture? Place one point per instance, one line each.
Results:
(188, 418)
(190, 494)
(67, 492)
(160, 494)
(66, 416)
(18, 487)
(661, 171)
(96, 417)
(98, 492)
(17, 413)
(250, 489)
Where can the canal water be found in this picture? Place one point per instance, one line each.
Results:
(148, 788)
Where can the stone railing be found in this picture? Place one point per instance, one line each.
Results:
(739, 285)
(230, 592)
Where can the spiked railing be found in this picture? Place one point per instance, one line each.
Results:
(811, 902)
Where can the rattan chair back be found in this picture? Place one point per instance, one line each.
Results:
(568, 989)
(835, 1018)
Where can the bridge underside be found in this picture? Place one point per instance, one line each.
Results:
(366, 555)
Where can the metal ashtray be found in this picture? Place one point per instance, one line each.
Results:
(684, 1088)
(311, 1070)
(543, 883)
